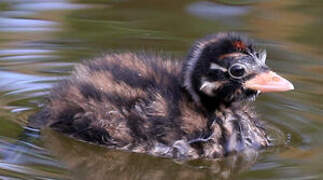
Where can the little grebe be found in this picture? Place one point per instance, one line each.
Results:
(143, 103)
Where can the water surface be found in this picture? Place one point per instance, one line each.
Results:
(41, 41)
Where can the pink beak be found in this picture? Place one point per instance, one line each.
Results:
(269, 82)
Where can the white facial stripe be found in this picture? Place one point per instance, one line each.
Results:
(263, 56)
(208, 87)
(204, 85)
(217, 67)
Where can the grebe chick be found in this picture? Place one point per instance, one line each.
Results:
(195, 109)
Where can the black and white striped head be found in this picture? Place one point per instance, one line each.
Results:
(225, 67)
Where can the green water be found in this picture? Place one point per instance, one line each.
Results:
(41, 40)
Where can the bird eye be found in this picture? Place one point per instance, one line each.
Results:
(237, 71)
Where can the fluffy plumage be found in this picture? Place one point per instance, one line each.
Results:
(163, 107)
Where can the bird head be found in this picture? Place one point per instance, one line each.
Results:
(225, 68)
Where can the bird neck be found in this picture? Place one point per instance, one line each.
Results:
(209, 105)
(213, 104)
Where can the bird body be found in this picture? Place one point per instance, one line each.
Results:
(164, 107)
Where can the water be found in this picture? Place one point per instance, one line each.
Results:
(41, 40)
